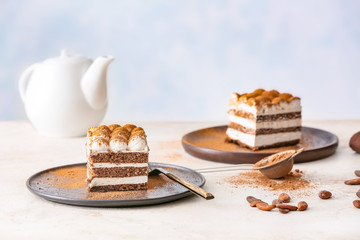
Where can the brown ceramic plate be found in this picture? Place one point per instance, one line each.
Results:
(209, 144)
(66, 184)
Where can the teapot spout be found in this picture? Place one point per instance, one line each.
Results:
(93, 83)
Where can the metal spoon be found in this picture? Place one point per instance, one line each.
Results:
(191, 187)
(277, 170)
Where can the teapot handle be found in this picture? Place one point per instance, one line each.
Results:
(24, 81)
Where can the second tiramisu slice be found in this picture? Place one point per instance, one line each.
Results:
(264, 119)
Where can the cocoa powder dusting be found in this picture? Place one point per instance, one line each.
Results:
(173, 156)
(272, 159)
(293, 181)
(71, 180)
(166, 145)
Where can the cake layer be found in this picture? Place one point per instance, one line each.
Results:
(118, 172)
(242, 114)
(277, 117)
(285, 123)
(104, 181)
(120, 157)
(123, 187)
(264, 117)
(261, 131)
(262, 140)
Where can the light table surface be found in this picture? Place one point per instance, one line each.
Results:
(26, 216)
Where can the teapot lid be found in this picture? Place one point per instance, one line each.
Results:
(66, 56)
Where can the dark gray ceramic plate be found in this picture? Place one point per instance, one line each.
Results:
(66, 184)
(209, 144)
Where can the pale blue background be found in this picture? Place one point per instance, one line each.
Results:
(180, 60)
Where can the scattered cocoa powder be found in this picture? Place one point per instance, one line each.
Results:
(293, 181)
(166, 145)
(68, 178)
(173, 156)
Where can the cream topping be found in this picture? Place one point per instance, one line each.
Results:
(114, 138)
(118, 146)
(137, 144)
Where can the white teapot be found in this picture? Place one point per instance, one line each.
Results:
(65, 95)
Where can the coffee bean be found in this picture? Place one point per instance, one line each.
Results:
(250, 199)
(356, 203)
(286, 206)
(355, 181)
(302, 206)
(357, 173)
(325, 194)
(358, 193)
(253, 203)
(276, 201)
(284, 198)
(284, 210)
(355, 142)
(264, 206)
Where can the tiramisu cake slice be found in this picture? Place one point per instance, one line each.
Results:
(264, 119)
(117, 158)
